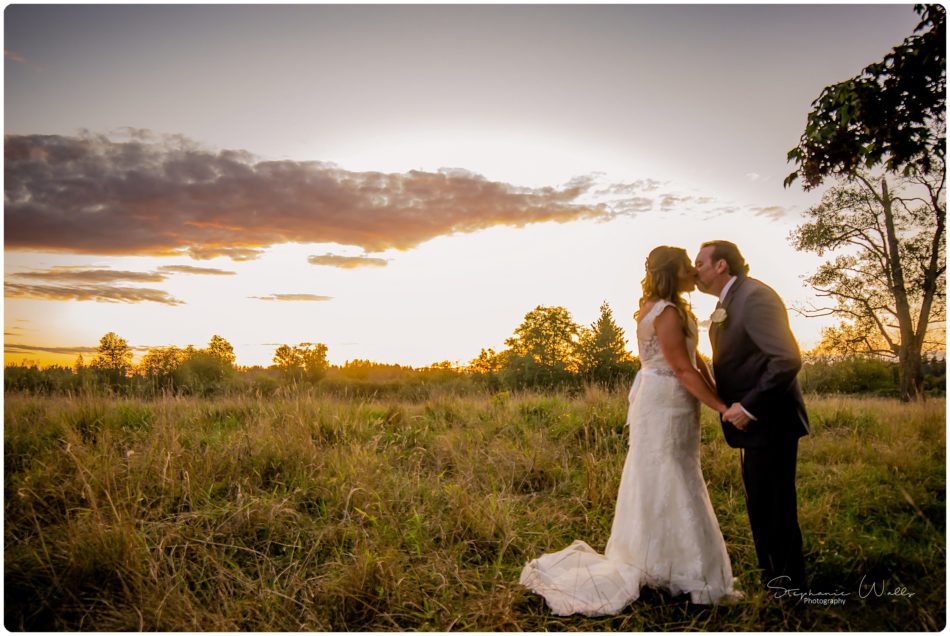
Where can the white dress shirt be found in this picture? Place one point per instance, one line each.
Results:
(725, 288)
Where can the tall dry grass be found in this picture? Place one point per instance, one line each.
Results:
(305, 513)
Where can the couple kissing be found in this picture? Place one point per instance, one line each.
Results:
(665, 533)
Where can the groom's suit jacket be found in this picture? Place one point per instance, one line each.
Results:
(755, 362)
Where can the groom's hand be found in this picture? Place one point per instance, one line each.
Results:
(737, 417)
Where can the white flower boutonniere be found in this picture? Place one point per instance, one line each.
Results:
(719, 316)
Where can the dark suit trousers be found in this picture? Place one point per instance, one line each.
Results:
(768, 473)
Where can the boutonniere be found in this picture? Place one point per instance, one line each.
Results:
(719, 316)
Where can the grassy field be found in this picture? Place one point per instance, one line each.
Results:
(305, 513)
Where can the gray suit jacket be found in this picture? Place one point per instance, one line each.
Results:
(755, 362)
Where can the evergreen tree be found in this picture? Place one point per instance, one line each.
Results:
(601, 351)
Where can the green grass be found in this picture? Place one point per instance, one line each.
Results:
(306, 513)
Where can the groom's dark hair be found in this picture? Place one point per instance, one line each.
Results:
(726, 251)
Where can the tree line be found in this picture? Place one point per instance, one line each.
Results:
(547, 351)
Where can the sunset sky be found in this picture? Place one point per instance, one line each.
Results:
(401, 183)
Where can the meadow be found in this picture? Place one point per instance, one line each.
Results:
(313, 512)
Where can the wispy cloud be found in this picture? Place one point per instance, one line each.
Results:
(13, 56)
(29, 348)
(150, 195)
(205, 253)
(85, 275)
(347, 262)
(293, 297)
(98, 293)
(630, 188)
(632, 205)
(16, 330)
(776, 212)
(644, 195)
(669, 201)
(17, 58)
(188, 269)
(23, 61)
(67, 282)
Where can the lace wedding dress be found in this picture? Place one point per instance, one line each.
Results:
(665, 533)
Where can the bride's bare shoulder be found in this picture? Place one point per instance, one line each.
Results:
(646, 308)
(648, 305)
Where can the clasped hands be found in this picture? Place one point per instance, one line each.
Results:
(736, 416)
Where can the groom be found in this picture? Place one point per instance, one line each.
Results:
(755, 363)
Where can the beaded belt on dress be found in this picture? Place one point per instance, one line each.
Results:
(668, 373)
(663, 373)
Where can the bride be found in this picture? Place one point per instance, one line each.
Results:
(665, 533)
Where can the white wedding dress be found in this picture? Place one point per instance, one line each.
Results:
(665, 534)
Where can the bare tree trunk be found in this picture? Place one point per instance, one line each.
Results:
(911, 369)
(911, 373)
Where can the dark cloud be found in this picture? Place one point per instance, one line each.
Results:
(293, 297)
(86, 275)
(149, 195)
(98, 293)
(188, 269)
(347, 262)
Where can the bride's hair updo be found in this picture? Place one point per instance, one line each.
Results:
(662, 280)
